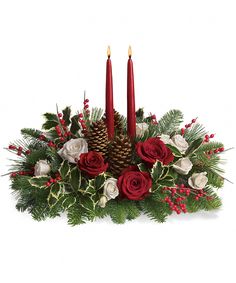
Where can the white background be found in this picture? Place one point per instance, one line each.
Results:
(184, 55)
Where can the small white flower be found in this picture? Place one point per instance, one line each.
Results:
(198, 180)
(42, 168)
(183, 166)
(72, 149)
(177, 141)
(111, 190)
(102, 202)
(180, 143)
(141, 128)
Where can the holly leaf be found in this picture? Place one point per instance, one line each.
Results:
(64, 170)
(75, 127)
(51, 121)
(194, 146)
(75, 179)
(66, 115)
(156, 171)
(39, 182)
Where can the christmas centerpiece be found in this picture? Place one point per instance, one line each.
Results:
(94, 164)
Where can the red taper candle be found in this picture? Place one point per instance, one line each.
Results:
(131, 115)
(109, 97)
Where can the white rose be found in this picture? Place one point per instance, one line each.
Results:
(198, 180)
(72, 149)
(179, 142)
(183, 166)
(42, 168)
(166, 139)
(102, 202)
(141, 128)
(111, 190)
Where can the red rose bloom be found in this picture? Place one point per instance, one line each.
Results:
(134, 185)
(92, 163)
(154, 149)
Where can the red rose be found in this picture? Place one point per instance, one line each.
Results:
(134, 185)
(154, 149)
(92, 163)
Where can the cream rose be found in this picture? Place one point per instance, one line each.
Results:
(72, 149)
(183, 166)
(102, 202)
(111, 190)
(141, 128)
(177, 141)
(198, 180)
(42, 168)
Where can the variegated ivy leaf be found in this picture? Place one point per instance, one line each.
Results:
(156, 171)
(142, 167)
(56, 192)
(64, 170)
(75, 179)
(87, 202)
(168, 181)
(68, 201)
(39, 182)
(164, 172)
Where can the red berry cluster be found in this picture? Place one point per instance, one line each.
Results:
(53, 180)
(19, 150)
(187, 126)
(83, 117)
(217, 150)
(177, 196)
(154, 119)
(21, 173)
(52, 144)
(208, 137)
(62, 129)
(42, 138)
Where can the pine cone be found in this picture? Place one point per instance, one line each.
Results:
(120, 154)
(97, 137)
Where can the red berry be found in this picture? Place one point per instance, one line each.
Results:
(86, 106)
(19, 153)
(196, 198)
(62, 139)
(86, 100)
(216, 151)
(13, 174)
(153, 117)
(221, 149)
(51, 180)
(62, 121)
(182, 131)
(212, 136)
(12, 147)
(28, 152)
(20, 148)
(59, 115)
(194, 121)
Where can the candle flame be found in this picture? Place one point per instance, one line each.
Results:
(108, 51)
(130, 51)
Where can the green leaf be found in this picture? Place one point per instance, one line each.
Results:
(68, 201)
(156, 171)
(64, 170)
(87, 202)
(174, 150)
(66, 115)
(99, 182)
(194, 146)
(39, 182)
(165, 172)
(75, 179)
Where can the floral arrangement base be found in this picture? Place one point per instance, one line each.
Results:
(72, 167)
